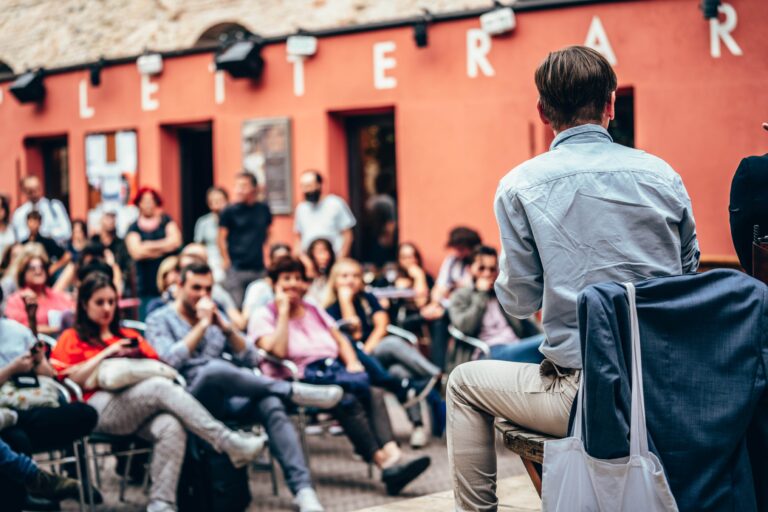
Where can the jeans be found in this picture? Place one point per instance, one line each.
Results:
(524, 351)
(233, 393)
(39, 430)
(479, 392)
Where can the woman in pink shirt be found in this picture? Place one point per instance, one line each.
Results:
(32, 279)
(294, 329)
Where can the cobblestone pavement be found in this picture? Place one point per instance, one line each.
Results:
(341, 481)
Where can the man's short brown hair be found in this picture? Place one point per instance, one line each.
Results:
(574, 85)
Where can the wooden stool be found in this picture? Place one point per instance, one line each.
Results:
(528, 445)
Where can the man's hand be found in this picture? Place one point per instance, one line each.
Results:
(22, 364)
(206, 310)
(483, 284)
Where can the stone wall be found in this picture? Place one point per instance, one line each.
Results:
(54, 33)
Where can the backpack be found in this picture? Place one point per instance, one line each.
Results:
(209, 482)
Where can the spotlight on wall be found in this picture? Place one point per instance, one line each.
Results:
(301, 45)
(29, 87)
(94, 72)
(709, 8)
(500, 20)
(242, 59)
(420, 32)
(150, 64)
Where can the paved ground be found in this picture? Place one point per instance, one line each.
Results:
(341, 481)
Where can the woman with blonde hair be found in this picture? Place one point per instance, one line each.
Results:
(348, 302)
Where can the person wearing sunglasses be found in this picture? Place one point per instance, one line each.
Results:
(475, 311)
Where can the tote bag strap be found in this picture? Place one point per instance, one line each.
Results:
(638, 434)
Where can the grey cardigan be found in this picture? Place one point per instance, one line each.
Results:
(468, 307)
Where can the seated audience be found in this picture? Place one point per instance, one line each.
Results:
(20, 476)
(476, 312)
(454, 273)
(322, 258)
(155, 409)
(56, 255)
(167, 282)
(79, 238)
(347, 301)
(295, 329)
(9, 266)
(92, 252)
(7, 234)
(191, 335)
(32, 279)
(39, 428)
(107, 235)
(259, 293)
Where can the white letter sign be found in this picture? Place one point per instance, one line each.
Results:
(148, 88)
(718, 31)
(478, 48)
(382, 63)
(597, 39)
(86, 111)
(298, 74)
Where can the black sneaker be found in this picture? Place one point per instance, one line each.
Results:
(53, 487)
(397, 477)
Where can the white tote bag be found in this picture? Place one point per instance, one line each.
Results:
(572, 480)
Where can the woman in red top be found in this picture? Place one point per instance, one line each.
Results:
(155, 409)
(32, 279)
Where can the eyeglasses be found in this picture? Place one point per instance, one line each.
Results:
(483, 268)
(35, 266)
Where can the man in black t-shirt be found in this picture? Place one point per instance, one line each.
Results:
(56, 254)
(243, 231)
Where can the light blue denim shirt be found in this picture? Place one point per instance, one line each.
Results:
(585, 212)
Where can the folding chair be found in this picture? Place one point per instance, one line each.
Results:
(465, 348)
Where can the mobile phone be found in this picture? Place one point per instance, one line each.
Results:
(134, 342)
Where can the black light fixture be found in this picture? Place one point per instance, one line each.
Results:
(94, 72)
(709, 8)
(242, 58)
(420, 32)
(29, 87)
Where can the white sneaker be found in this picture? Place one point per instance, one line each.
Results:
(307, 501)
(242, 448)
(8, 417)
(322, 397)
(419, 437)
(160, 506)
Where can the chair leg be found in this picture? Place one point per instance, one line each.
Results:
(273, 474)
(79, 473)
(533, 474)
(96, 467)
(303, 435)
(147, 466)
(85, 467)
(127, 471)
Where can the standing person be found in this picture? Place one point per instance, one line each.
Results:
(55, 219)
(243, 231)
(192, 335)
(207, 229)
(587, 211)
(155, 409)
(7, 234)
(107, 235)
(57, 256)
(476, 311)
(149, 240)
(321, 216)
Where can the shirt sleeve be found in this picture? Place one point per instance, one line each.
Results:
(520, 284)
(297, 219)
(262, 323)
(689, 244)
(172, 351)
(199, 234)
(344, 217)
(61, 227)
(334, 311)
(225, 218)
(68, 351)
(15, 310)
(444, 274)
(374, 303)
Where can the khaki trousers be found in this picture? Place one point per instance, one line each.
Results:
(479, 392)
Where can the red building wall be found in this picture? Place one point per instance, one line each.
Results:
(456, 135)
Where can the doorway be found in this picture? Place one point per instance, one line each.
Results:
(49, 158)
(195, 174)
(373, 186)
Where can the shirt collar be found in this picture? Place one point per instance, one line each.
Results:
(582, 134)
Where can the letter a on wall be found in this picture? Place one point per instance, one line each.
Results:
(597, 39)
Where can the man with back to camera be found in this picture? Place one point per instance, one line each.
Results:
(587, 211)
